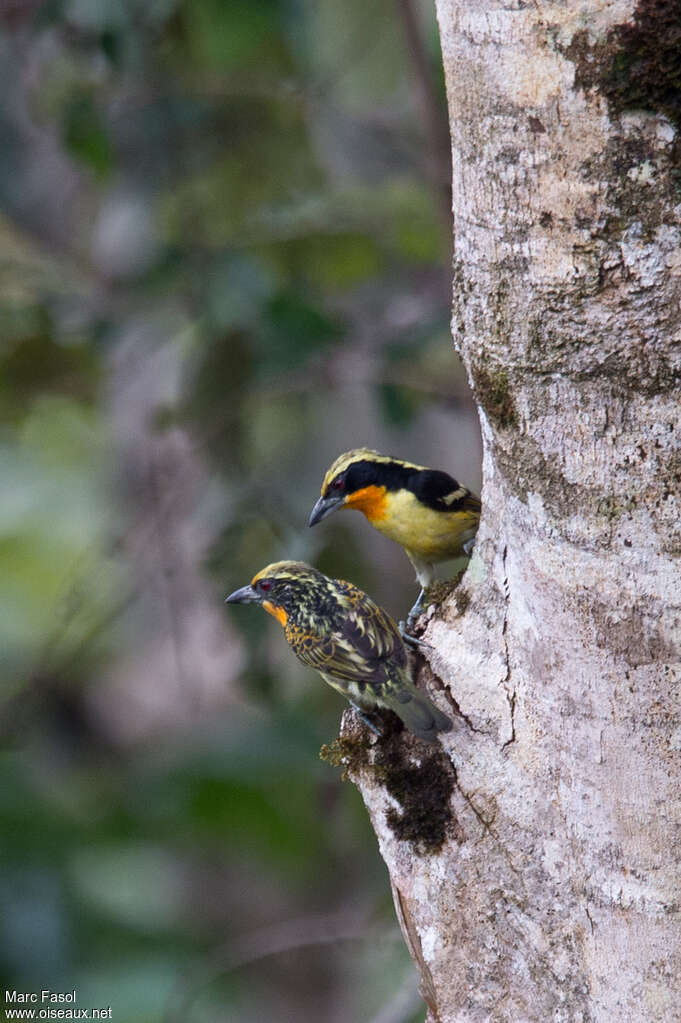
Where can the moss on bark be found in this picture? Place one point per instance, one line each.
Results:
(638, 64)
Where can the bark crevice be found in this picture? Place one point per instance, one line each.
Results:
(506, 681)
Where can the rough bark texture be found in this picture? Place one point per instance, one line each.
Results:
(536, 863)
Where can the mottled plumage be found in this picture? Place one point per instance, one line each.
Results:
(335, 628)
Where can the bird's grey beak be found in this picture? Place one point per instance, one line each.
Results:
(246, 595)
(324, 507)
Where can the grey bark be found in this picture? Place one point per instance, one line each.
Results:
(552, 890)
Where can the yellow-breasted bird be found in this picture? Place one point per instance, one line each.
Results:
(426, 511)
(353, 643)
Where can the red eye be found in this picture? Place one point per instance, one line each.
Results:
(265, 585)
(337, 484)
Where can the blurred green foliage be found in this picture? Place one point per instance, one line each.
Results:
(223, 259)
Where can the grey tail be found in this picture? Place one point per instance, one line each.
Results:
(420, 716)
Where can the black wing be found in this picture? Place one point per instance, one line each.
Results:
(440, 491)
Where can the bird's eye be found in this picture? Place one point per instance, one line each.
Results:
(265, 585)
(337, 484)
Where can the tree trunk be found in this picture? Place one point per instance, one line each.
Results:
(535, 864)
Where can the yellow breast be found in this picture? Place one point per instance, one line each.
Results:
(430, 534)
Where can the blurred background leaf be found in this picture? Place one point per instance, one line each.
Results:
(224, 258)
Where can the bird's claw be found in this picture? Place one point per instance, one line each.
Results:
(409, 638)
(406, 629)
(367, 720)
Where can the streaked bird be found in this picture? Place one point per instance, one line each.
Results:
(353, 643)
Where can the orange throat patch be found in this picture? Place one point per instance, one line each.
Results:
(370, 500)
(276, 612)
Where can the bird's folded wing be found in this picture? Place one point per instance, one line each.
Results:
(368, 628)
(337, 656)
(440, 491)
(359, 644)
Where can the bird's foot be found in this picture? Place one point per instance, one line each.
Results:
(367, 720)
(415, 611)
(406, 629)
(409, 638)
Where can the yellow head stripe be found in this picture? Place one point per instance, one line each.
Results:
(361, 455)
(282, 570)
